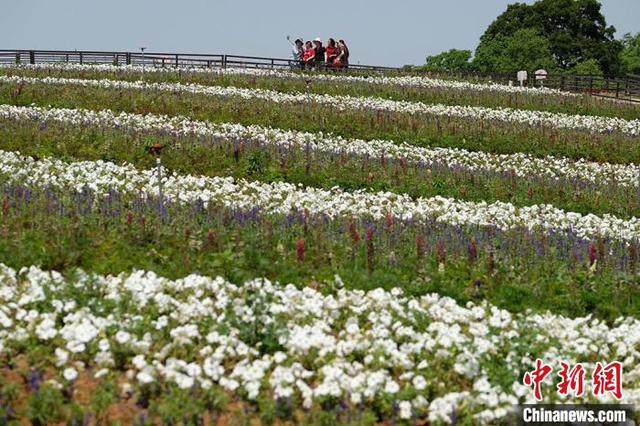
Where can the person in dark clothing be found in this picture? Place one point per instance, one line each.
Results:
(343, 57)
(319, 51)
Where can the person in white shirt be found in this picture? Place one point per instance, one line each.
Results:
(296, 51)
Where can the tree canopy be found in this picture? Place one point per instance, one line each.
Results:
(524, 50)
(453, 59)
(576, 31)
(630, 55)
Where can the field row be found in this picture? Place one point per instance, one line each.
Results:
(180, 349)
(522, 117)
(519, 165)
(422, 130)
(408, 81)
(407, 88)
(284, 198)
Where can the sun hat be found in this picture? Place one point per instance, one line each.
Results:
(318, 39)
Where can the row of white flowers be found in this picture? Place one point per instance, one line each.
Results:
(377, 79)
(342, 103)
(520, 164)
(428, 354)
(284, 198)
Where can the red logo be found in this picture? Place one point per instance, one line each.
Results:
(536, 377)
(605, 379)
(572, 379)
(608, 379)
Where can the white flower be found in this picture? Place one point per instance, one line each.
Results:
(122, 337)
(62, 357)
(70, 374)
(101, 373)
(391, 387)
(419, 383)
(405, 409)
(46, 329)
(145, 377)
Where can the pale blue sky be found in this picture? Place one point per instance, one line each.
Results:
(378, 31)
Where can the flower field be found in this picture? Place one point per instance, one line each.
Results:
(190, 246)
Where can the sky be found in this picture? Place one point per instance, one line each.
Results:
(378, 32)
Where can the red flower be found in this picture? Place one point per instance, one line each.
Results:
(300, 249)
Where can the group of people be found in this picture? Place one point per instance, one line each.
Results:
(314, 54)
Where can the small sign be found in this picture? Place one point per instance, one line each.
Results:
(522, 77)
(541, 74)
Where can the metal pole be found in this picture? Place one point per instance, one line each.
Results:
(142, 50)
(159, 166)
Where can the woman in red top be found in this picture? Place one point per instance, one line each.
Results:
(331, 52)
(308, 54)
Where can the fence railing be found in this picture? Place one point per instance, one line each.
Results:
(159, 59)
(627, 88)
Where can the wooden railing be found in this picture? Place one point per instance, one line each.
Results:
(159, 59)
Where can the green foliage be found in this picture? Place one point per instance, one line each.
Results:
(46, 406)
(588, 67)
(630, 55)
(575, 30)
(105, 394)
(452, 60)
(526, 49)
(8, 397)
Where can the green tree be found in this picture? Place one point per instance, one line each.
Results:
(630, 55)
(575, 29)
(524, 50)
(588, 67)
(452, 60)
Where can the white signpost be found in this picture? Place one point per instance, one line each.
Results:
(522, 77)
(541, 75)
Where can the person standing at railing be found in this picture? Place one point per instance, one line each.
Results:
(342, 59)
(319, 51)
(331, 52)
(308, 54)
(297, 52)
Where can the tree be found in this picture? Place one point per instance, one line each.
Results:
(588, 67)
(452, 60)
(575, 29)
(630, 55)
(524, 50)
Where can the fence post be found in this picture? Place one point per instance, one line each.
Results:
(80, 56)
(177, 61)
(32, 57)
(224, 61)
(17, 58)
